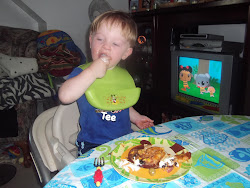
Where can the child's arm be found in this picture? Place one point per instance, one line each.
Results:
(73, 88)
(139, 120)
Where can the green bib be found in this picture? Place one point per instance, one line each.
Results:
(115, 91)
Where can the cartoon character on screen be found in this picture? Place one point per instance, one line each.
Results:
(185, 76)
(211, 90)
(202, 82)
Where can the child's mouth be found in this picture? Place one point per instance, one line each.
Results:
(103, 55)
(104, 58)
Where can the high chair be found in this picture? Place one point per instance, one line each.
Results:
(52, 140)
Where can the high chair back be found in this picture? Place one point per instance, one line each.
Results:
(52, 140)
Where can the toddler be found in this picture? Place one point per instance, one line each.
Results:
(112, 38)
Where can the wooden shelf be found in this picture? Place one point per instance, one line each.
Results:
(165, 20)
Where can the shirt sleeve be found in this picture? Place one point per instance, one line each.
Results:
(75, 72)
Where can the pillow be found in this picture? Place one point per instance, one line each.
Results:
(57, 53)
(2, 73)
(18, 42)
(17, 66)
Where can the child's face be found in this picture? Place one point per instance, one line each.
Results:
(109, 41)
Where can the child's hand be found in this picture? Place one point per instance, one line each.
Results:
(100, 66)
(144, 122)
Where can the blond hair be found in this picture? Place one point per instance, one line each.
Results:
(120, 19)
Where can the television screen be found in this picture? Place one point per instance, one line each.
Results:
(200, 78)
(206, 81)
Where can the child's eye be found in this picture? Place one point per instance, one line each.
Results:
(115, 44)
(98, 38)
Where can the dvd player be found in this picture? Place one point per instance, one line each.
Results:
(202, 36)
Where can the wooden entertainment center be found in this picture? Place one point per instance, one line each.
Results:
(167, 23)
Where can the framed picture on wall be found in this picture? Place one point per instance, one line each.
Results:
(145, 4)
(133, 5)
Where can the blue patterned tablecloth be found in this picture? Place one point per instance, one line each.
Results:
(219, 146)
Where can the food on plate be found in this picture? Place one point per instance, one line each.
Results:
(152, 158)
(149, 156)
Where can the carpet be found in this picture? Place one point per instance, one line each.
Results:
(7, 172)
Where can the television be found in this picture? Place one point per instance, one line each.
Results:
(207, 81)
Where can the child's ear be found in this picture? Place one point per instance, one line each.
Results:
(127, 53)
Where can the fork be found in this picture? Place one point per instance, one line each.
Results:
(98, 163)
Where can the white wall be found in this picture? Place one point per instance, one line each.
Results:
(12, 15)
(231, 32)
(70, 16)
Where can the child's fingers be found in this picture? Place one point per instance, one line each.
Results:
(146, 124)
